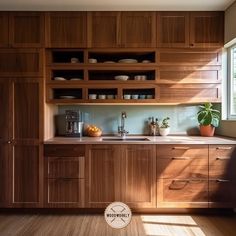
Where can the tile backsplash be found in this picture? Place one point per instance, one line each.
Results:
(183, 118)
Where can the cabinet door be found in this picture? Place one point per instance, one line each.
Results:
(66, 29)
(26, 153)
(4, 29)
(102, 175)
(138, 29)
(206, 29)
(222, 176)
(4, 137)
(21, 62)
(27, 29)
(104, 29)
(138, 173)
(173, 29)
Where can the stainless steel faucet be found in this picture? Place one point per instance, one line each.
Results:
(121, 129)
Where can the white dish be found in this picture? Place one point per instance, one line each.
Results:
(121, 77)
(109, 62)
(101, 96)
(67, 97)
(134, 96)
(59, 78)
(92, 96)
(128, 61)
(75, 79)
(92, 60)
(127, 96)
(140, 77)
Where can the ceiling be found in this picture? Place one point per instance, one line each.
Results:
(115, 5)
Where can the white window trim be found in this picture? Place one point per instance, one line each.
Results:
(229, 83)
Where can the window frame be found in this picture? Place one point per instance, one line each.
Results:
(230, 78)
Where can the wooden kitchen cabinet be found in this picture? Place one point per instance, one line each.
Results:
(122, 29)
(21, 149)
(64, 176)
(206, 29)
(172, 29)
(104, 29)
(21, 63)
(222, 176)
(4, 137)
(26, 29)
(121, 173)
(138, 29)
(182, 176)
(138, 174)
(4, 36)
(66, 29)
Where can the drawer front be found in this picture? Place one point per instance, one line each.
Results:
(187, 151)
(221, 161)
(68, 150)
(64, 191)
(183, 191)
(65, 167)
(180, 167)
(222, 193)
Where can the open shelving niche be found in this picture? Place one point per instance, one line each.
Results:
(83, 79)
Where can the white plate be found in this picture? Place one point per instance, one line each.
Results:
(128, 61)
(59, 78)
(67, 97)
(75, 79)
(121, 77)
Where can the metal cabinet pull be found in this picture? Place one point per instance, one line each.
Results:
(180, 148)
(224, 148)
(222, 158)
(222, 180)
(180, 158)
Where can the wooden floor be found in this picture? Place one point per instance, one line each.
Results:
(95, 225)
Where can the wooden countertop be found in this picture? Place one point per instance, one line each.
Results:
(172, 139)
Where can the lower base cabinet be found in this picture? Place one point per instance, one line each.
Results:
(124, 173)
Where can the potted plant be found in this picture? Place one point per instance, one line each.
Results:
(164, 127)
(208, 119)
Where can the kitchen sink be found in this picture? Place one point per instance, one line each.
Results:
(125, 139)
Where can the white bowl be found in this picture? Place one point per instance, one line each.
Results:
(140, 77)
(101, 96)
(127, 96)
(121, 77)
(92, 60)
(59, 78)
(74, 60)
(76, 79)
(92, 96)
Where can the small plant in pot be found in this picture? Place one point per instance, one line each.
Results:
(208, 119)
(164, 127)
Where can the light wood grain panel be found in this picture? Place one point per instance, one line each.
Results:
(138, 174)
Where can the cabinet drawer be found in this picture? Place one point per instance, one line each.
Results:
(182, 167)
(184, 190)
(65, 167)
(182, 151)
(221, 161)
(69, 150)
(65, 191)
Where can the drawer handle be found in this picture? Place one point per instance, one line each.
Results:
(222, 158)
(178, 184)
(224, 148)
(222, 181)
(181, 158)
(180, 148)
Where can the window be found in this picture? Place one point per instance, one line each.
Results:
(232, 82)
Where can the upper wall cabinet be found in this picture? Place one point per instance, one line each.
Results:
(4, 29)
(66, 29)
(26, 29)
(206, 29)
(173, 29)
(122, 29)
(138, 29)
(104, 29)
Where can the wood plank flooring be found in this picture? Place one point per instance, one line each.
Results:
(95, 225)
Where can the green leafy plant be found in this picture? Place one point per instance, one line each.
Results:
(165, 123)
(208, 116)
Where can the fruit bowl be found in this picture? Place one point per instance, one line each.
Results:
(93, 131)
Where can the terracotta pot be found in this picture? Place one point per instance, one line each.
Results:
(207, 130)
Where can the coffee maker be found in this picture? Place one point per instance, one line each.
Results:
(74, 125)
